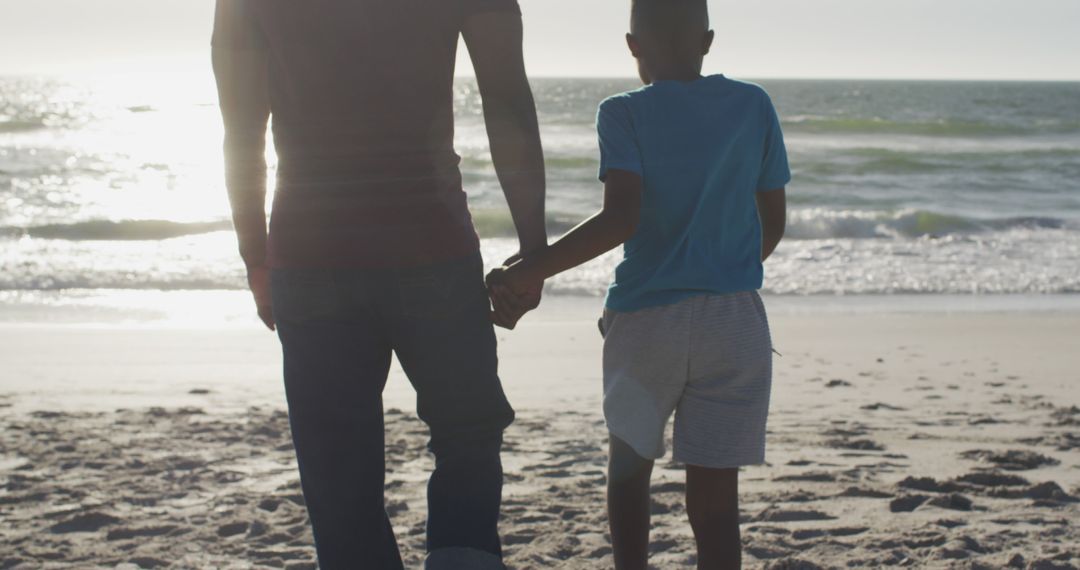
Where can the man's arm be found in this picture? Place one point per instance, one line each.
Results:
(615, 223)
(241, 73)
(772, 209)
(494, 42)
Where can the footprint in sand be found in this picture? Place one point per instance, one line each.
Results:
(514, 539)
(928, 484)
(1011, 460)
(861, 492)
(660, 508)
(811, 476)
(149, 562)
(907, 503)
(275, 538)
(992, 479)
(881, 406)
(952, 501)
(796, 496)
(395, 508)
(1047, 494)
(1059, 441)
(258, 528)
(85, 522)
(669, 487)
(856, 444)
(232, 529)
(804, 534)
(775, 514)
(855, 430)
(555, 473)
(959, 548)
(985, 420)
(792, 564)
(125, 533)
(296, 498)
(1063, 417)
(662, 544)
(269, 505)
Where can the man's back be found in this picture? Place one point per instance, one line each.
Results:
(361, 94)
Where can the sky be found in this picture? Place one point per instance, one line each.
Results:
(871, 39)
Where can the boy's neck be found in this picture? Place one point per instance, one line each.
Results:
(683, 73)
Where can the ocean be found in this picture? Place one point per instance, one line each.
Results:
(113, 189)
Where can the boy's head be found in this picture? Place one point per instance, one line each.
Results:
(669, 38)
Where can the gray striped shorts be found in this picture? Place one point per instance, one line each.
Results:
(708, 360)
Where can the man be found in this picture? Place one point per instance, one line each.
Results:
(371, 249)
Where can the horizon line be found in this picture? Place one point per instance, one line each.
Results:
(816, 78)
(61, 75)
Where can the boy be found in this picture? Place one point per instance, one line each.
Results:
(694, 170)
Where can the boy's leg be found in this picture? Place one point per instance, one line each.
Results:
(336, 364)
(645, 360)
(720, 422)
(712, 502)
(629, 505)
(446, 344)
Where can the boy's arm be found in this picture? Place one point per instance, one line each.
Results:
(240, 68)
(494, 40)
(772, 209)
(775, 175)
(615, 223)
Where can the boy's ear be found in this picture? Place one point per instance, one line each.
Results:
(706, 42)
(632, 43)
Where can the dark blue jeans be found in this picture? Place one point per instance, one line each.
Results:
(338, 329)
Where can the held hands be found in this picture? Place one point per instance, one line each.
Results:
(512, 294)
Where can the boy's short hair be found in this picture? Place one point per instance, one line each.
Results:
(669, 19)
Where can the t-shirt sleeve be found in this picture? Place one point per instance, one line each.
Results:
(236, 25)
(471, 7)
(618, 142)
(775, 173)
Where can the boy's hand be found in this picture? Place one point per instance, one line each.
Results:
(511, 295)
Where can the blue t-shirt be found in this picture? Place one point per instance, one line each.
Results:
(703, 149)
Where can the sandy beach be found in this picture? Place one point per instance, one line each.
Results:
(921, 438)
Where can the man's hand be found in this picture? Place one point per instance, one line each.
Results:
(259, 283)
(511, 296)
(509, 306)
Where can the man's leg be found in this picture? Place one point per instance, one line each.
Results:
(446, 344)
(712, 502)
(336, 364)
(629, 506)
